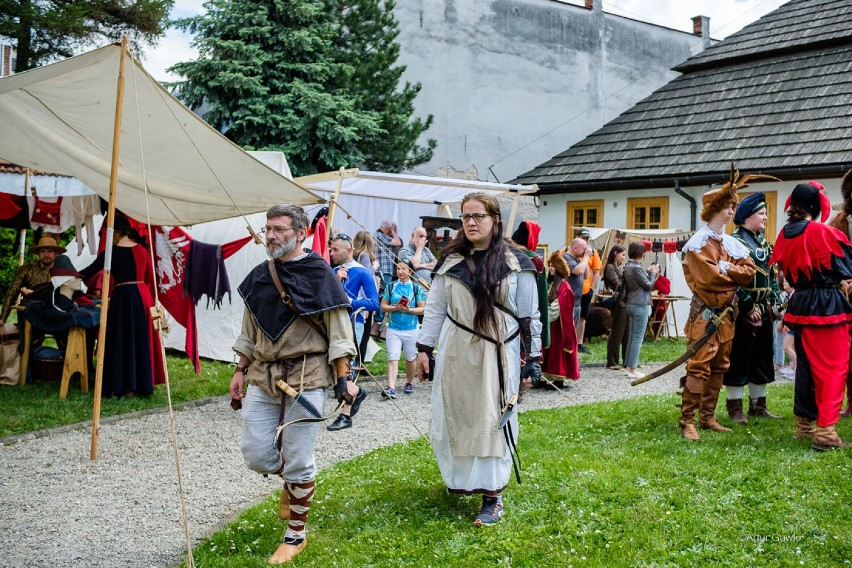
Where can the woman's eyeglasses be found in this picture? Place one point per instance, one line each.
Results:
(477, 217)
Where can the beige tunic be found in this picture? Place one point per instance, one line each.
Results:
(290, 357)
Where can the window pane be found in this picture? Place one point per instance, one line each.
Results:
(592, 218)
(655, 214)
(578, 217)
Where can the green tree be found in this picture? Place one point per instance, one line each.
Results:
(271, 76)
(44, 30)
(368, 40)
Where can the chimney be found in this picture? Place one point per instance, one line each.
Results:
(594, 5)
(701, 27)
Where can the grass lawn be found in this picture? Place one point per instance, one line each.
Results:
(608, 484)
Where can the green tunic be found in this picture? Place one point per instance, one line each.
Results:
(753, 346)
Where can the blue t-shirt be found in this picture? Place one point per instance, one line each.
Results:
(394, 292)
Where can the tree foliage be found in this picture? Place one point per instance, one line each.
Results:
(44, 30)
(368, 40)
(272, 75)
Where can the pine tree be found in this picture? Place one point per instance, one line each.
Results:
(368, 40)
(266, 76)
(45, 30)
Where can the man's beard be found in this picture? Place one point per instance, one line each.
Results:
(286, 247)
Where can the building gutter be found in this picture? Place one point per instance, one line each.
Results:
(693, 206)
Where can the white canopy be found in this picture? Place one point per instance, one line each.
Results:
(60, 118)
(371, 197)
(418, 189)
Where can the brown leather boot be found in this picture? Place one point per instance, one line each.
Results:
(709, 399)
(735, 411)
(804, 428)
(691, 400)
(826, 438)
(286, 552)
(757, 407)
(714, 425)
(688, 431)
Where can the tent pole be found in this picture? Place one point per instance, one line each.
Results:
(332, 204)
(113, 181)
(510, 227)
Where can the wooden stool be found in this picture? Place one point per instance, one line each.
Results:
(76, 361)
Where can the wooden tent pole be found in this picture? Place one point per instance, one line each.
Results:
(332, 204)
(113, 181)
(511, 227)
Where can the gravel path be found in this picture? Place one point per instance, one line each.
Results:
(58, 508)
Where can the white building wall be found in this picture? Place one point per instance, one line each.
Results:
(511, 83)
(553, 212)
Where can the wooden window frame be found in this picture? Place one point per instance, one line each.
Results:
(634, 203)
(571, 206)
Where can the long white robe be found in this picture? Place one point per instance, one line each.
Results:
(471, 450)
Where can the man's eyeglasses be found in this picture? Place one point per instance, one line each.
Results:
(277, 230)
(477, 217)
(342, 237)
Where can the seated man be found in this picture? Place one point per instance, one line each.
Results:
(32, 275)
(418, 256)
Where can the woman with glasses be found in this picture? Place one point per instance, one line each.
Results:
(482, 305)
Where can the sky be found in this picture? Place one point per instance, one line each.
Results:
(726, 17)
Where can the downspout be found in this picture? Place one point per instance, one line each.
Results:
(693, 206)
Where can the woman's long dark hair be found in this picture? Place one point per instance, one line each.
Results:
(488, 271)
(610, 259)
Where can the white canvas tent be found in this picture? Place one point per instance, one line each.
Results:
(101, 118)
(370, 198)
(60, 118)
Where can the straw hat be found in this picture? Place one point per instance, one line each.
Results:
(46, 243)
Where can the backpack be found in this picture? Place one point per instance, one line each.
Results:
(415, 290)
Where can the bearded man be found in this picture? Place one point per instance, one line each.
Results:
(32, 274)
(305, 341)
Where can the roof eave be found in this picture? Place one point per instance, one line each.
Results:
(785, 174)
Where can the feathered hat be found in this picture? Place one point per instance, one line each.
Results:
(717, 199)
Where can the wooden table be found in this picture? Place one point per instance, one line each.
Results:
(669, 318)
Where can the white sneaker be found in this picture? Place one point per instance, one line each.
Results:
(636, 375)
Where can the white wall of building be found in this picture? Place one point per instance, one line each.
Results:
(514, 82)
(553, 211)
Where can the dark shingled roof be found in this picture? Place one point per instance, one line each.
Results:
(775, 97)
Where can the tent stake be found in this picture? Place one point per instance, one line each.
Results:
(113, 179)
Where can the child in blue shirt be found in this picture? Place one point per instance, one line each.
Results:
(403, 301)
